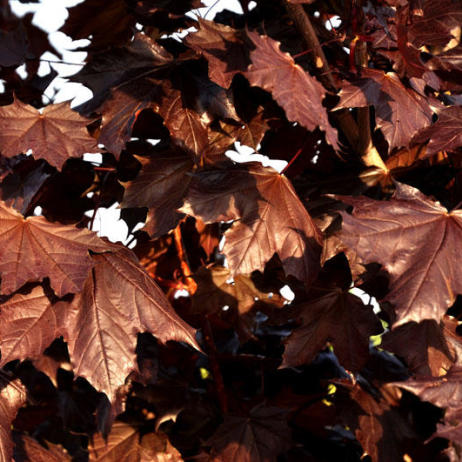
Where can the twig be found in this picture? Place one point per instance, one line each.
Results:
(215, 366)
(305, 28)
(348, 125)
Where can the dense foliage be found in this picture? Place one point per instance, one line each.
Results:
(183, 347)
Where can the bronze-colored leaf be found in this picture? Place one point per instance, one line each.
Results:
(56, 134)
(118, 300)
(414, 238)
(295, 90)
(28, 325)
(33, 248)
(271, 219)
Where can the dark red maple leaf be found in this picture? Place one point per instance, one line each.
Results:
(295, 90)
(414, 238)
(445, 134)
(117, 66)
(383, 431)
(30, 449)
(423, 346)
(33, 248)
(12, 397)
(101, 331)
(445, 391)
(106, 23)
(271, 219)
(258, 437)
(28, 325)
(56, 134)
(340, 318)
(400, 112)
(160, 185)
(224, 49)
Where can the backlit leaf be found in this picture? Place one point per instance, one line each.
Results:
(56, 134)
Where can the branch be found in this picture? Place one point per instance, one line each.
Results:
(357, 134)
(305, 28)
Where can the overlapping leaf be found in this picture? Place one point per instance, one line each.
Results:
(224, 49)
(400, 112)
(118, 300)
(415, 239)
(445, 134)
(271, 219)
(340, 318)
(123, 444)
(33, 248)
(32, 450)
(259, 437)
(28, 325)
(423, 346)
(160, 185)
(383, 431)
(106, 23)
(56, 134)
(296, 91)
(12, 397)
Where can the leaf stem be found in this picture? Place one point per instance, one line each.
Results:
(305, 28)
(215, 366)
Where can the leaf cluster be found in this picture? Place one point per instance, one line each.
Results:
(183, 344)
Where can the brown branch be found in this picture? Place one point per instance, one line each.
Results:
(366, 149)
(360, 141)
(305, 28)
(215, 366)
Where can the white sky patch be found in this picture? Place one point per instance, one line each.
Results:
(333, 23)
(96, 158)
(245, 153)
(108, 224)
(287, 293)
(366, 298)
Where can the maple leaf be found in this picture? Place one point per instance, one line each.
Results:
(160, 185)
(400, 112)
(224, 49)
(215, 290)
(123, 444)
(445, 391)
(271, 219)
(12, 397)
(118, 300)
(106, 23)
(422, 345)
(380, 427)
(106, 70)
(20, 40)
(414, 238)
(33, 248)
(445, 134)
(259, 437)
(435, 24)
(122, 108)
(32, 450)
(28, 325)
(166, 16)
(296, 91)
(55, 134)
(338, 317)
